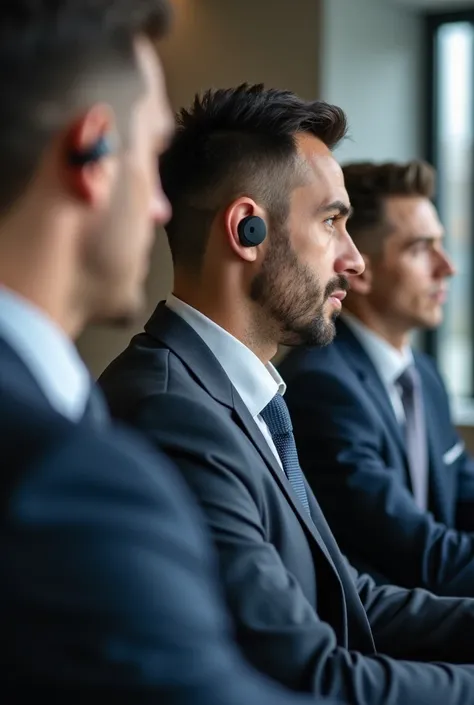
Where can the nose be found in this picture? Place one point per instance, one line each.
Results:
(445, 266)
(160, 208)
(350, 261)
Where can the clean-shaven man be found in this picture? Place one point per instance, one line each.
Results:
(371, 415)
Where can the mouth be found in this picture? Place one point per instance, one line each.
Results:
(439, 296)
(337, 297)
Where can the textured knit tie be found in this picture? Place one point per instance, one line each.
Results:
(277, 418)
(415, 433)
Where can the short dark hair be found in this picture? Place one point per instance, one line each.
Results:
(369, 185)
(53, 57)
(234, 142)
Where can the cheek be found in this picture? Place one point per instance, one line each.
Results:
(410, 291)
(132, 228)
(315, 250)
(146, 173)
(144, 170)
(387, 287)
(415, 277)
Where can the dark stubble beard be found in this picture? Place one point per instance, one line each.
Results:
(292, 298)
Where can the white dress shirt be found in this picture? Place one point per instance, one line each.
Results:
(47, 352)
(255, 382)
(387, 360)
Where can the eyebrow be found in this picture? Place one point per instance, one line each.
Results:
(342, 208)
(415, 239)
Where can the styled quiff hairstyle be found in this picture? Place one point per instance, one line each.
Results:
(237, 142)
(369, 185)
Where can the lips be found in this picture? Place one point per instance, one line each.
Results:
(340, 295)
(440, 296)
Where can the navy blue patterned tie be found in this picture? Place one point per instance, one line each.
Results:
(277, 418)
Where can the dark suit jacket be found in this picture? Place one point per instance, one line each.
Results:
(302, 615)
(353, 453)
(108, 592)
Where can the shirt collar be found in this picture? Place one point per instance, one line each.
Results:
(47, 352)
(255, 382)
(387, 360)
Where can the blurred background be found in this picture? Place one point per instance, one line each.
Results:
(403, 70)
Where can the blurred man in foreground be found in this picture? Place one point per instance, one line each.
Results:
(108, 588)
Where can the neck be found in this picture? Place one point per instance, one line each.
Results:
(37, 269)
(229, 310)
(396, 335)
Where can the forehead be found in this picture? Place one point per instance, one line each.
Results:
(412, 216)
(323, 175)
(155, 100)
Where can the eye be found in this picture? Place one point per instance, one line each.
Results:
(330, 221)
(421, 246)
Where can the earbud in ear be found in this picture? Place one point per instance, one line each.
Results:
(98, 151)
(252, 231)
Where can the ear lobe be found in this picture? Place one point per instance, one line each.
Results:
(362, 283)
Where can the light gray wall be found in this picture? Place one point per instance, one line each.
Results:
(373, 68)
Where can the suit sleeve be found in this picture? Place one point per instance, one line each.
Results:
(109, 591)
(464, 464)
(278, 628)
(465, 499)
(417, 625)
(371, 512)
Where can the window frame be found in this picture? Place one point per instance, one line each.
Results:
(433, 22)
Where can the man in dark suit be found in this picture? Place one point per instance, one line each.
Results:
(109, 592)
(262, 256)
(371, 415)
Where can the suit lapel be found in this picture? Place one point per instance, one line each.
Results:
(177, 335)
(15, 374)
(169, 328)
(201, 363)
(374, 388)
(354, 621)
(358, 625)
(253, 432)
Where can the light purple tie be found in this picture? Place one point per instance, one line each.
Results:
(415, 433)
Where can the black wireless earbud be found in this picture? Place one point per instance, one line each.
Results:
(252, 231)
(95, 153)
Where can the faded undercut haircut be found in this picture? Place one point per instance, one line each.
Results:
(57, 58)
(369, 185)
(237, 142)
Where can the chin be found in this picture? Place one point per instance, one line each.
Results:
(314, 336)
(121, 314)
(433, 319)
